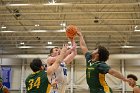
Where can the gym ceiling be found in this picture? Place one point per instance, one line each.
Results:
(35, 26)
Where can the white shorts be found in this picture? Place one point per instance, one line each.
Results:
(60, 89)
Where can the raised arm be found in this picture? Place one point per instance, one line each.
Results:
(59, 59)
(50, 60)
(71, 56)
(71, 49)
(82, 42)
(118, 75)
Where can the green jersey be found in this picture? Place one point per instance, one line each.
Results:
(138, 86)
(2, 89)
(37, 83)
(95, 75)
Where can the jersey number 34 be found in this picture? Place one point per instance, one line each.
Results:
(34, 83)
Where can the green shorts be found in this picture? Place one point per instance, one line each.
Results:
(99, 90)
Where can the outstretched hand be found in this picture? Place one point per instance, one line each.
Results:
(128, 81)
(64, 48)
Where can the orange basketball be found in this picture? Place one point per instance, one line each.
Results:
(71, 31)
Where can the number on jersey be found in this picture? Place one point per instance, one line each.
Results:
(34, 83)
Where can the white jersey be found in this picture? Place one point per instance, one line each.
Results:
(61, 76)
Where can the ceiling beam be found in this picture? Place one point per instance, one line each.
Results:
(73, 13)
(68, 4)
(112, 56)
(85, 25)
(68, 20)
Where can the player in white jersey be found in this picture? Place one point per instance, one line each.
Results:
(59, 78)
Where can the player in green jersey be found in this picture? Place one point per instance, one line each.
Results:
(37, 82)
(96, 68)
(133, 79)
(3, 89)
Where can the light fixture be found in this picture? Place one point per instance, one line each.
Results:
(22, 43)
(136, 27)
(126, 46)
(37, 25)
(69, 42)
(51, 1)
(63, 24)
(38, 31)
(24, 47)
(50, 46)
(3, 27)
(7, 31)
(62, 30)
(136, 30)
(18, 4)
(49, 43)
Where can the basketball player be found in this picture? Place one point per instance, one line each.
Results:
(3, 89)
(133, 79)
(96, 68)
(60, 76)
(38, 82)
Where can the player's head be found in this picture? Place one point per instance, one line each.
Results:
(100, 54)
(54, 51)
(36, 65)
(133, 79)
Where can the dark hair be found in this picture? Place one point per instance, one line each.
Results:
(103, 53)
(36, 64)
(51, 50)
(132, 76)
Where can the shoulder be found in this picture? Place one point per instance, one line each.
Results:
(88, 55)
(42, 72)
(102, 64)
(51, 60)
(136, 89)
(5, 89)
(103, 67)
(28, 77)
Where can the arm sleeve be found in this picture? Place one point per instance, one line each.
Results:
(103, 68)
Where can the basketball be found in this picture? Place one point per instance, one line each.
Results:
(71, 31)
